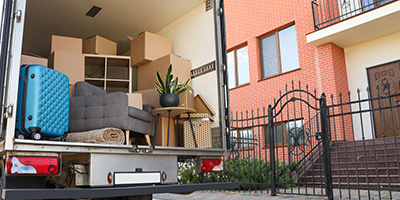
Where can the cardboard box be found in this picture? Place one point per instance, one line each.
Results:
(71, 90)
(135, 100)
(29, 59)
(201, 105)
(99, 45)
(67, 44)
(70, 64)
(162, 133)
(147, 73)
(202, 131)
(186, 99)
(150, 96)
(148, 47)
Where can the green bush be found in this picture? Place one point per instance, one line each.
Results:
(251, 173)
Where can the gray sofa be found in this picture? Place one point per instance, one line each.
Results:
(93, 108)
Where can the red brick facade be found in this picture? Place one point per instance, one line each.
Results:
(322, 68)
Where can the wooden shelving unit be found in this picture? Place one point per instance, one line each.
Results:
(111, 73)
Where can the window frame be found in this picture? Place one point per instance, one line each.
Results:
(275, 32)
(239, 145)
(235, 49)
(284, 125)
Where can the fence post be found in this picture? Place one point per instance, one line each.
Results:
(325, 145)
(272, 150)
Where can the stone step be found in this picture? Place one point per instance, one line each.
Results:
(356, 171)
(354, 178)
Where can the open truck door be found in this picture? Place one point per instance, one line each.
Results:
(12, 26)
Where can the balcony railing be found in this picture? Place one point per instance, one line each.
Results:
(329, 12)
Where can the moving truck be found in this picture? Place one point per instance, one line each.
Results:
(76, 170)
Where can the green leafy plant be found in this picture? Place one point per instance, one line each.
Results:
(170, 85)
(251, 173)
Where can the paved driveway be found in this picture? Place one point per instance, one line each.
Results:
(230, 196)
(338, 194)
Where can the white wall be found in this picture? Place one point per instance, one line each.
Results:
(349, 8)
(193, 38)
(358, 59)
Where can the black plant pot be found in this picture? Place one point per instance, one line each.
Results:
(169, 100)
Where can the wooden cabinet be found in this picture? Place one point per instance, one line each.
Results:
(112, 73)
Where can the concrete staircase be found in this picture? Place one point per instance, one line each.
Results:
(359, 164)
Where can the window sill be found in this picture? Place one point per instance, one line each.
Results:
(240, 86)
(276, 75)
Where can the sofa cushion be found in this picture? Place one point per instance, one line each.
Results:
(139, 114)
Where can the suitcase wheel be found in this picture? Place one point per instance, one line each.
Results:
(18, 134)
(35, 133)
(36, 136)
(64, 137)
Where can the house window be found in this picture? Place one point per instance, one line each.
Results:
(238, 67)
(279, 52)
(287, 132)
(244, 139)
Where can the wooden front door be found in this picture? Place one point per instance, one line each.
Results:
(387, 118)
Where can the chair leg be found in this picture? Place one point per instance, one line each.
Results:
(148, 139)
(127, 139)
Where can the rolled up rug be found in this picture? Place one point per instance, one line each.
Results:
(105, 135)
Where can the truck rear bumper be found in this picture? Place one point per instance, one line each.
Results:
(112, 192)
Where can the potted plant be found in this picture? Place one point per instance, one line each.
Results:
(169, 89)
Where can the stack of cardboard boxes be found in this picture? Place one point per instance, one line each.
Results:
(66, 57)
(149, 53)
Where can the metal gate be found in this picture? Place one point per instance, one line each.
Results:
(297, 137)
(343, 146)
(282, 148)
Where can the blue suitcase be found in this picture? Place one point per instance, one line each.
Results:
(43, 103)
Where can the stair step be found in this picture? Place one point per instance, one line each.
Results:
(362, 158)
(355, 171)
(354, 178)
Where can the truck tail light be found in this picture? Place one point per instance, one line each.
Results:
(32, 165)
(212, 165)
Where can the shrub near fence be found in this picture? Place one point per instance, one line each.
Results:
(251, 173)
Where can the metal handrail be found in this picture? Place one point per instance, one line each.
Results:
(329, 12)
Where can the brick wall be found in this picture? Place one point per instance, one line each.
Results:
(322, 68)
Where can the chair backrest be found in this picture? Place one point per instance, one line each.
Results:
(83, 88)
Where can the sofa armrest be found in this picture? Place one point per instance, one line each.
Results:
(148, 108)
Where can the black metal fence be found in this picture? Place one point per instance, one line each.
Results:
(343, 145)
(328, 12)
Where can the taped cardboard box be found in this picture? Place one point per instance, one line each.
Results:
(66, 44)
(148, 47)
(31, 59)
(161, 136)
(147, 73)
(150, 96)
(202, 130)
(99, 45)
(70, 64)
(135, 100)
(201, 105)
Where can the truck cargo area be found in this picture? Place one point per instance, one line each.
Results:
(190, 25)
(120, 141)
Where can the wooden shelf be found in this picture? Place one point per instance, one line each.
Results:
(112, 73)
